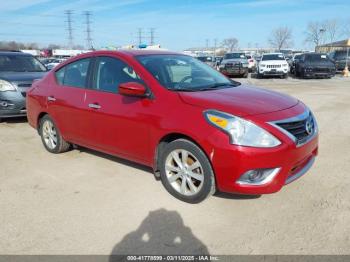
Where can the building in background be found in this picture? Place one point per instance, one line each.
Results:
(339, 45)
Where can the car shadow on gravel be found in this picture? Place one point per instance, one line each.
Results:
(14, 120)
(235, 196)
(150, 170)
(161, 232)
(114, 159)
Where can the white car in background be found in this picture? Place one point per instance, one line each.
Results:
(251, 63)
(273, 64)
(55, 63)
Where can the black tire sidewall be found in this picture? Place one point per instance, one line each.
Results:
(56, 150)
(209, 180)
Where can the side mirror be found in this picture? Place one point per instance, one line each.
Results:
(132, 89)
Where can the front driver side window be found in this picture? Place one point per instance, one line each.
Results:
(111, 72)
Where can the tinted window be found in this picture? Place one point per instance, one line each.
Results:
(340, 55)
(111, 72)
(20, 63)
(273, 57)
(74, 74)
(205, 58)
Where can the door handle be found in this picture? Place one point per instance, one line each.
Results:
(95, 106)
(51, 99)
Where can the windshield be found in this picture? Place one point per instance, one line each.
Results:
(205, 58)
(20, 63)
(316, 57)
(273, 57)
(184, 73)
(234, 56)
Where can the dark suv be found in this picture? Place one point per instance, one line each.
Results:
(339, 57)
(17, 72)
(312, 65)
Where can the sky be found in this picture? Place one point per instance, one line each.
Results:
(179, 24)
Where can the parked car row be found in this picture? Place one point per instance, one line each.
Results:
(302, 65)
(200, 131)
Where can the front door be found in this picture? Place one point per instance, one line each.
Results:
(120, 122)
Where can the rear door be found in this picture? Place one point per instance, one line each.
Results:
(120, 122)
(66, 100)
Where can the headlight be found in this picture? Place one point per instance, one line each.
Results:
(262, 65)
(6, 86)
(240, 131)
(222, 66)
(285, 65)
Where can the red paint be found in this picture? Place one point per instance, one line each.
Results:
(132, 89)
(132, 127)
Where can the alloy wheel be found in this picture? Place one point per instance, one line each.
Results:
(49, 134)
(184, 172)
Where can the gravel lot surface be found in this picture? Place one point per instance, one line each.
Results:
(84, 202)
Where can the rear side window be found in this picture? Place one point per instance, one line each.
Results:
(111, 72)
(74, 74)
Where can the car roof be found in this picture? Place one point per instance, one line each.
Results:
(136, 52)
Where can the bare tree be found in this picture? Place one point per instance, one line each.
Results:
(230, 44)
(315, 33)
(332, 30)
(281, 37)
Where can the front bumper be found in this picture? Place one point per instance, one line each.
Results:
(230, 162)
(318, 74)
(230, 71)
(12, 104)
(272, 72)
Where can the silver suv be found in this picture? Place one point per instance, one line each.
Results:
(234, 64)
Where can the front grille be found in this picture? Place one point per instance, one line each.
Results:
(301, 129)
(273, 66)
(230, 65)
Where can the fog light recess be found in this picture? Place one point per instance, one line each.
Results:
(257, 177)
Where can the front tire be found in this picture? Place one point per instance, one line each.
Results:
(51, 137)
(186, 172)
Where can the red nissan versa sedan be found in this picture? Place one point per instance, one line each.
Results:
(199, 130)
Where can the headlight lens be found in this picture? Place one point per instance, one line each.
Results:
(262, 65)
(6, 86)
(240, 131)
(285, 65)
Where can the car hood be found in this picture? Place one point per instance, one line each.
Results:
(242, 100)
(21, 76)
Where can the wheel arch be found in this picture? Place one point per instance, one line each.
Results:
(166, 139)
(40, 116)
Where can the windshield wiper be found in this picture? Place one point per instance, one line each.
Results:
(216, 86)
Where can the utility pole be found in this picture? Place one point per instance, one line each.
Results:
(89, 41)
(215, 44)
(69, 13)
(139, 35)
(152, 35)
(207, 43)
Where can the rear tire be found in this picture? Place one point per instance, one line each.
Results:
(186, 172)
(51, 136)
